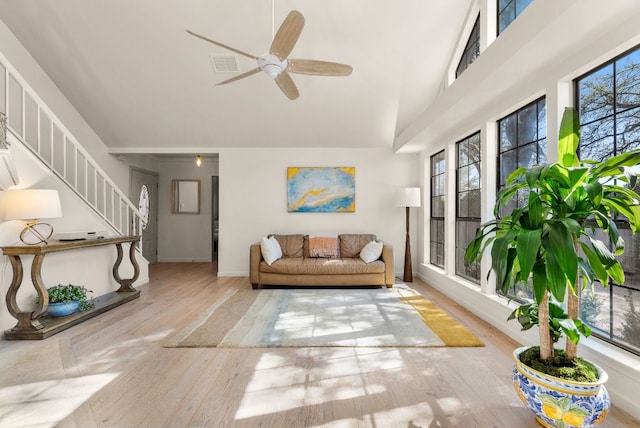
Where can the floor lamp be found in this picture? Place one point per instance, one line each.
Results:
(408, 197)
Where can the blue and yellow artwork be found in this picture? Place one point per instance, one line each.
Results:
(321, 189)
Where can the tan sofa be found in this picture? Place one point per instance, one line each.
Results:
(297, 268)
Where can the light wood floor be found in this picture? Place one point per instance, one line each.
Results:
(112, 371)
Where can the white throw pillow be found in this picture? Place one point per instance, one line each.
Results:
(271, 250)
(371, 252)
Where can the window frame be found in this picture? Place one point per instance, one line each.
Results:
(610, 335)
(522, 293)
(500, 12)
(437, 221)
(473, 43)
(464, 271)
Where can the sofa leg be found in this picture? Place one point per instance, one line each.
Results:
(389, 285)
(254, 286)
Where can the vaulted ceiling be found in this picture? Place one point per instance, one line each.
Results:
(145, 85)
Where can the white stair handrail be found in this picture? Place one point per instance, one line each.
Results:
(64, 156)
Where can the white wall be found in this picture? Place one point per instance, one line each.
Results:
(547, 46)
(46, 89)
(253, 199)
(89, 267)
(185, 237)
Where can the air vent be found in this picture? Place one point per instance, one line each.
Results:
(225, 63)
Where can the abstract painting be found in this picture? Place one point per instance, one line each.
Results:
(321, 189)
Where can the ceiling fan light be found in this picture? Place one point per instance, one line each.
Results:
(271, 65)
(272, 70)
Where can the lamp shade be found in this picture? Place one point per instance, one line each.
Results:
(31, 204)
(408, 197)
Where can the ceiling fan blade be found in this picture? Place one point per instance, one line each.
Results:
(222, 45)
(287, 35)
(241, 76)
(285, 82)
(318, 68)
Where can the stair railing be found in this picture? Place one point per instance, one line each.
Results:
(31, 122)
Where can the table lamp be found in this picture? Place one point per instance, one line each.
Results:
(408, 197)
(32, 205)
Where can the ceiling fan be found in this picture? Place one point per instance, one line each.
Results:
(277, 65)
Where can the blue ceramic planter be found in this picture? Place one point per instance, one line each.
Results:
(559, 403)
(62, 309)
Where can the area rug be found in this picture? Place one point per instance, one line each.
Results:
(396, 317)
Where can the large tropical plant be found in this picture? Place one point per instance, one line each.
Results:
(549, 242)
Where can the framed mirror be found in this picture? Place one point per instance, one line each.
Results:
(185, 196)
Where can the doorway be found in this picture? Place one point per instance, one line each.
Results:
(143, 192)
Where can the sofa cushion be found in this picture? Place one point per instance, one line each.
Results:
(270, 249)
(352, 244)
(371, 251)
(305, 246)
(320, 266)
(291, 245)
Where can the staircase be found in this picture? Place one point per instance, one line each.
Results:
(33, 124)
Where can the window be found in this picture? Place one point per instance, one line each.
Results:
(522, 142)
(608, 100)
(508, 11)
(468, 202)
(471, 49)
(436, 237)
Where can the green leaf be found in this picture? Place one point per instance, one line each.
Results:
(533, 174)
(596, 265)
(568, 138)
(505, 195)
(527, 249)
(616, 239)
(582, 328)
(535, 210)
(476, 247)
(539, 281)
(586, 272)
(572, 225)
(594, 191)
(573, 329)
(577, 175)
(502, 260)
(606, 257)
(570, 330)
(515, 175)
(616, 273)
(612, 166)
(634, 220)
(556, 279)
(563, 250)
(558, 174)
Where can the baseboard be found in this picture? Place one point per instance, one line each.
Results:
(228, 274)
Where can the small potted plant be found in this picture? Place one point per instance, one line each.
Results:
(549, 242)
(66, 299)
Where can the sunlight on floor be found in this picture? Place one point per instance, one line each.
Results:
(47, 403)
(319, 376)
(26, 401)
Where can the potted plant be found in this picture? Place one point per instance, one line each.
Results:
(548, 243)
(65, 299)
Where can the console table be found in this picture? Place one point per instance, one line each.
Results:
(40, 325)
